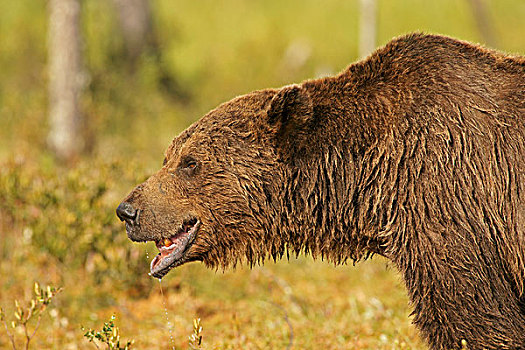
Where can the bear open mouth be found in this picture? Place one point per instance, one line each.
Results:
(173, 249)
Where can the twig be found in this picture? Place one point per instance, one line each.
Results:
(34, 332)
(10, 336)
(288, 322)
(287, 290)
(28, 339)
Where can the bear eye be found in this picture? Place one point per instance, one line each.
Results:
(188, 164)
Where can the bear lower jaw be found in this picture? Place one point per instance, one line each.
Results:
(173, 250)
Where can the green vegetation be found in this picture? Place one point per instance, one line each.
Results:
(57, 222)
(109, 335)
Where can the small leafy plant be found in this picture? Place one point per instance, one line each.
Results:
(23, 316)
(195, 340)
(109, 336)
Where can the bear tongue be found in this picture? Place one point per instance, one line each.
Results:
(165, 252)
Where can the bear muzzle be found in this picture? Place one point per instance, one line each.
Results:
(127, 213)
(131, 216)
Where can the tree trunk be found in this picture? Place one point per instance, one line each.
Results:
(367, 27)
(483, 22)
(136, 25)
(65, 78)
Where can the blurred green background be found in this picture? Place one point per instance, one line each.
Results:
(57, 222)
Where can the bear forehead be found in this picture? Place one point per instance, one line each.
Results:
(240, 115)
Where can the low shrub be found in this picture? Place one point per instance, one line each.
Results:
(109, 336)
(69, 214)
(25, 316)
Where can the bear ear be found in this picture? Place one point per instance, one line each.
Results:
(290, 118)
(291, 107)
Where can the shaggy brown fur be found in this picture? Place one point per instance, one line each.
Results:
(416, 153)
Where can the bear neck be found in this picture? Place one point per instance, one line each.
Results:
(359, 192)
(331, 201)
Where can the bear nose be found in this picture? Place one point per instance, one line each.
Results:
(126, 212)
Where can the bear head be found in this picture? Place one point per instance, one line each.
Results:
(217, 195)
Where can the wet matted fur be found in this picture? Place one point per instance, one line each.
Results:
(416, 153)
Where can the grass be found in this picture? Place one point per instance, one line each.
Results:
(57, 223)
(305, 304)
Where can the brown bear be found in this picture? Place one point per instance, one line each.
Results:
(416, 153)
